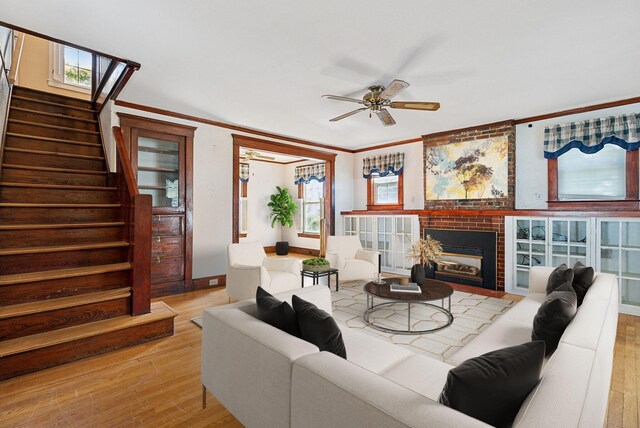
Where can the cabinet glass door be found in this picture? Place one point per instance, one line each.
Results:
(351, 226)
(365, 232)
(159, 157)
(569, 242)
(531, 248)
(403, 239)
(384, 232)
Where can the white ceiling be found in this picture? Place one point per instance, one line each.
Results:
(265, 64)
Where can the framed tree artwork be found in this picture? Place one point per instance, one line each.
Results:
(477, 169)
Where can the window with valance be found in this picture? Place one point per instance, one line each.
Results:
(243, 217)
(310, 180)
(385, 181)
(594, 160)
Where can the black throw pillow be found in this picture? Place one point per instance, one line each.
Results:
(554, 315)
(276, 312)
(493, 386)
(560, 275)
(582, 280)
(318, 327)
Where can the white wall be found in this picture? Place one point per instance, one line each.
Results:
(212, 191)
(531, 166)
(263, 179)
(413, 176)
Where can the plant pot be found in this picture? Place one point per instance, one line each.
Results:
(417, 274)
(429, 270)
(282, 248)
(315, 268)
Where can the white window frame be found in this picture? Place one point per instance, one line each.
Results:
(375, 189)
(304, 210)
(56, 70)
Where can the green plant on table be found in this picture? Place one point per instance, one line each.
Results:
(318, 261)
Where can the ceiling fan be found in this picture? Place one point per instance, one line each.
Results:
(378, 98)
(252, 154)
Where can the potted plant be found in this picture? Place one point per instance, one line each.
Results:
(424, 254)
(318, 264)
(282, 210)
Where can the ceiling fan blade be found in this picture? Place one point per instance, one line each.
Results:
(351, 113)
(385, 117)
(258, 155)
(394, 88)
(339, 98)
(415, 105)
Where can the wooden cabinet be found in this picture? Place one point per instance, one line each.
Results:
(162, 158)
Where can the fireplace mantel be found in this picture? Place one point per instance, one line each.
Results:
(498, 213)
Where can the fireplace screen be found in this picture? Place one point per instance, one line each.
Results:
(464, 265)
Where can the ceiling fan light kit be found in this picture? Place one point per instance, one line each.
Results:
(378, 98)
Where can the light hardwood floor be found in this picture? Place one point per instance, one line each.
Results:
(158, 384)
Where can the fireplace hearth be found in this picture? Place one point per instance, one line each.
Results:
(469, 257)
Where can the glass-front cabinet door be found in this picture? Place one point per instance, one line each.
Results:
(619, 254)
(384, 232)
(530, 248)
(569, 242)
(158, 160)
(404, 236)
(365, 232)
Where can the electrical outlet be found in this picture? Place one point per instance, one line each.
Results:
(213, 281)
(538, 196)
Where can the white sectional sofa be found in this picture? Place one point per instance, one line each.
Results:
(267, 378)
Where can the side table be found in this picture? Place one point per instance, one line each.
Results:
(317, 275)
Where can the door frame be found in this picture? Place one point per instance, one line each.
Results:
(286, 149)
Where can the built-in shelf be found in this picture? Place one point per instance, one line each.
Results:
(156, 169)
(153, 187)
(157, 150)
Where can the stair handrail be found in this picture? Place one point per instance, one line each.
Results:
(136, 213)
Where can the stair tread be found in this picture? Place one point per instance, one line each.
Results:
(53, 140)
(39, 306)
(55, 186)
(49, 153)
(60, 225)
(19, 88)
(51, 169)
(46, 125)
(159, 311)
(62, 248)
(38, 205)
(58, 115)
(46, 275)
(52, 103)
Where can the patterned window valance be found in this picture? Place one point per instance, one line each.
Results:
(383, 165)
(590, 136)
(304, 174)
(244, 172)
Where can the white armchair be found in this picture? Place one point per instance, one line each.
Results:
(249, 267)
(346, 254)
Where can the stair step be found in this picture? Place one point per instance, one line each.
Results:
(50, 169)
(58, 127)
(46, 175)
(57, 186)
(29, 308)
(56, 115)
(53, 159)
(42, 152)
(29, 205)
(30, 353)
(52, 107)
(48, 96)
(53, 140)
(22, 278)
(36, 213)
(62, 248)
(60, 226)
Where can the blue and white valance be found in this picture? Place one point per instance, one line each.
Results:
(590, 136)
(304, 174)
(383, 165)
(244, 172)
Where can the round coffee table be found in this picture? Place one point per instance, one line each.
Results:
(432, 290)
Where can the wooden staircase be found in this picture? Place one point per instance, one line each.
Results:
(65, 253)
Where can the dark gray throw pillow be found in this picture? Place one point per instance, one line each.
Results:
(276, 312)
(318, 327)
(560, 275)
(582, 280)
(554, 315)
(493, 386)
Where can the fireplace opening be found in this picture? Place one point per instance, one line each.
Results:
(469, 257)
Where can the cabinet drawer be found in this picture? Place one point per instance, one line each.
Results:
(165, 246)
(165, 269)
(167, 225)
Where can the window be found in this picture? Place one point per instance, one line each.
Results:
(70, 68)
(597, 176)
(243, 225)
(311, 195)
(385, 192)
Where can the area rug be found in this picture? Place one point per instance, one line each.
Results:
(472, 314)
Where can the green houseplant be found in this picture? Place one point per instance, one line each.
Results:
(282, 210)
(317, 264)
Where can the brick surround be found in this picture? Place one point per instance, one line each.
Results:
(485, 131)
(477, 223)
